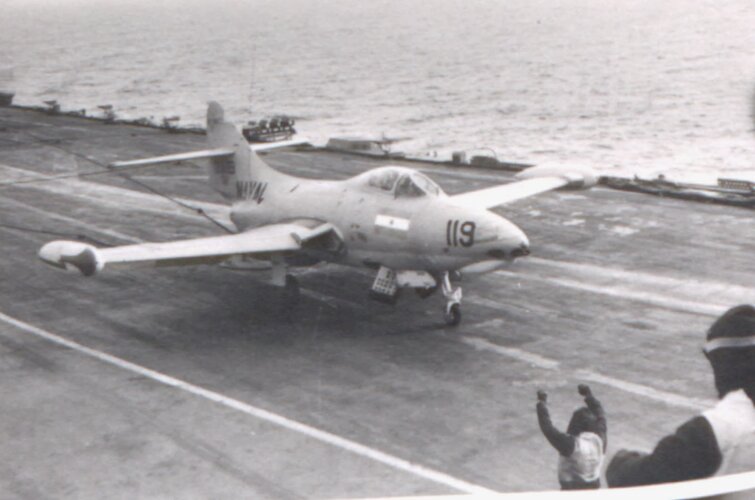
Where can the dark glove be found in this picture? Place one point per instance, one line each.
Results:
(584, 390)
(542, 396)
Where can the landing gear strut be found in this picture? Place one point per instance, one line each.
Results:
(289, 283)
(291, 291)
(453, 304)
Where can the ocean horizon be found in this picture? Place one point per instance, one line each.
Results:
(627, 87)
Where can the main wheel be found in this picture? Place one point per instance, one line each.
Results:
(453, 316)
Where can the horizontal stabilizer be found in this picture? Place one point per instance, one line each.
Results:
(207, 153)
(193, 155)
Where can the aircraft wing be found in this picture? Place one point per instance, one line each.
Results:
(274, 238)
(506, 193)
(532, 181)
(193, 155)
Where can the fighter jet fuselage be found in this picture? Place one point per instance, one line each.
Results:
(403, 228)
(392, 219)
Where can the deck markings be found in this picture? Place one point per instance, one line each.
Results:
(482, 344)
(669, 398)
(74, 222)
(663, 301)
(700, 308)
(117, 197)
(546, 363)
(691, 286)
(253, 411)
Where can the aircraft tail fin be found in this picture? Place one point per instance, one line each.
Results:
(241, 174)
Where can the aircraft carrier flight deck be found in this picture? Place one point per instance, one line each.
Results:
(202, 382)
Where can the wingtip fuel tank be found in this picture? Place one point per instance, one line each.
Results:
(69, 255)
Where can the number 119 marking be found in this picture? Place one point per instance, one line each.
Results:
(460, 233)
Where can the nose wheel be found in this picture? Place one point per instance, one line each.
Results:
(453, 314)
(453, 301)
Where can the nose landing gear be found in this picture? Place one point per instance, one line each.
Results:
(453, 305)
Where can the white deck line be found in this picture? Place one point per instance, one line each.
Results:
(645, 391)
(732, 487)
(544, 363)
(511, 352)
(74, 222)
(268, 416)
(689, 284)
(623, 293)
(103, 195)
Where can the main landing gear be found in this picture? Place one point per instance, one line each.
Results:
(289, 283)
(291, 290)
(453, 301)
(388, 283)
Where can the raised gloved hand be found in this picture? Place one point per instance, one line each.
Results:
(542, 396)
(584, 390)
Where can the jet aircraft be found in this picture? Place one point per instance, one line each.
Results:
(393, 220)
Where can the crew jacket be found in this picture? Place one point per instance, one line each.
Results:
(580, 457)
(719, 441)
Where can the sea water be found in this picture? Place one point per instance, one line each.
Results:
(626, 86)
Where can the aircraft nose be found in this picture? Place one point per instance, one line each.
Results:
(522, 251)
(511, 242)
(519, 244)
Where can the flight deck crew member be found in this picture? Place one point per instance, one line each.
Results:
(722, 439)
(582, 448)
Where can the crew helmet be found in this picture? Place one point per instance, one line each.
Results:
(730, 348)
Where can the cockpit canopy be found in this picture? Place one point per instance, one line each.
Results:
(402, 182)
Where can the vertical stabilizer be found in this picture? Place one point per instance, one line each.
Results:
(238, 176)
